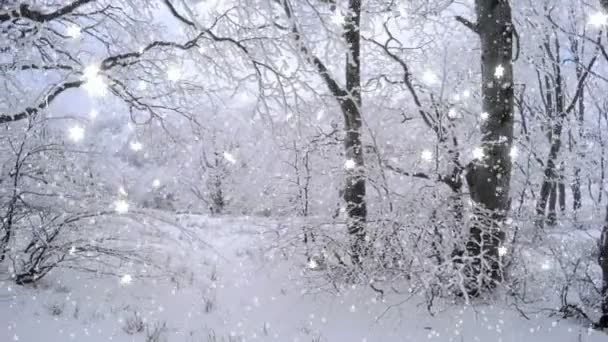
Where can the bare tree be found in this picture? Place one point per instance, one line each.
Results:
(489, 177)
(349, 99)
(557, 108)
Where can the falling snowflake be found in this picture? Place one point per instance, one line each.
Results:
(136, 146)
(478, 153)
(337, 18)
(598, 19)
(94, 83)
(121, 206)
(453, 113)
(426, 156)
(73, 31)
(76, 133)
(429, 78)
(514, 152)
(174, 74)
(126, 279)
(349, 164)
(229, 157)
(499, 72)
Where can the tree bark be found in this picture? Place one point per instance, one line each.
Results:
(354, 192)
(349, 99)
(561, 190)
(489, 178)
(556, 115)
(603, 261)
(552, 213)
(576, 186)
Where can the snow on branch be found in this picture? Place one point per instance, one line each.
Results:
(25, 11)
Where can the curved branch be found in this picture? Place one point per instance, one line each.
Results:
(451, 183)
(178, 15)
(25, 11)
(44, 104)
(107, 64)
(428, 120)
(331, 83)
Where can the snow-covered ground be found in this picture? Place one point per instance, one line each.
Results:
(232, 285)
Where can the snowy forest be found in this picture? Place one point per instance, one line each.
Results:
(303, 170)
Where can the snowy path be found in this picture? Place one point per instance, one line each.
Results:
(238, 293)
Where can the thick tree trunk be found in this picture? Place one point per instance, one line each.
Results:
(354, 192)
(489, 178)
(603, 261)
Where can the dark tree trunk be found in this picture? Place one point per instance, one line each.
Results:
(354, 192)
(603, 261)
(552, 214)
(349, 99)
(576, 191)
(576, 185)
(489, 178)
(546, 188)
(556, 116)
(561, 191)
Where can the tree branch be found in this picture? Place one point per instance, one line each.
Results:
(24, 11)
(178, 15)
(466, 22)
(439, 178)
(44, 104)
(331, 83)
(428, 120)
